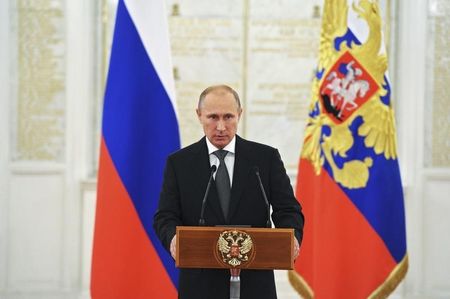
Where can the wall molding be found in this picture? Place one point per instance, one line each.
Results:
(437, 174)
(36, 168)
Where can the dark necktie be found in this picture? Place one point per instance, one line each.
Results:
(223, 182)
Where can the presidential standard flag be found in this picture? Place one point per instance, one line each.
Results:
(349, 183)
(139, 130)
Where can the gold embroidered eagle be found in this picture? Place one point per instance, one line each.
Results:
(378, 127)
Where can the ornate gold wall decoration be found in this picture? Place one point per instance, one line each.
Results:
(440, 118)
(40, 109)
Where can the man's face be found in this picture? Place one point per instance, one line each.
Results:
(219, 115)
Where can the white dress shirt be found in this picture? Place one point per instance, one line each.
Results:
(229, 158)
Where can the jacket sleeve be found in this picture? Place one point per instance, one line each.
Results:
(168, 214)
(286, 210)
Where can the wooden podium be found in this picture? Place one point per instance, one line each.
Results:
(234, 248)
(197, 247)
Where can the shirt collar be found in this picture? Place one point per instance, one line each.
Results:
(230, 146)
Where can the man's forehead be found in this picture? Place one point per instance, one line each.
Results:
(220, 100)
(219, 93)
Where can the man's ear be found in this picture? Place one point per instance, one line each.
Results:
(240, 113)
(199, 113)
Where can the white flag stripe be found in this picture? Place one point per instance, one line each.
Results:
(150, 19)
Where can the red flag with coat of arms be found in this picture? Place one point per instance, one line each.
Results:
(349, 181)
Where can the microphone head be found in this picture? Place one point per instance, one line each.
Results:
(213, 168)
(256, 169)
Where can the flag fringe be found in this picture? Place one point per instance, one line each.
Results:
(383, 291)
(392, 281)
(300, 285)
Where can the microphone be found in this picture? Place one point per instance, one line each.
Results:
(256, 169)
(201, 222)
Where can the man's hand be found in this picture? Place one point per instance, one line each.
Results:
(173, 246)
(296, 249)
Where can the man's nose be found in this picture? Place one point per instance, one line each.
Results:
(220, 125)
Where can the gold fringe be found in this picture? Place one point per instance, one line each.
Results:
(383, 291)
(300, 285)
(394, 278)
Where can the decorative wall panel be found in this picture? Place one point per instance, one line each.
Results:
(437, 105)
(35, 232)
(39, 110)
(283, 43)
(436, 225)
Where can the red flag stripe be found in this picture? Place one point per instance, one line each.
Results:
(348, 247)
(122, 245)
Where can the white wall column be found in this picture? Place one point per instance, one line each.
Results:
(5, 82)
(427, 187)
(409, 105)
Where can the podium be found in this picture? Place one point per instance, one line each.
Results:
(234, 248)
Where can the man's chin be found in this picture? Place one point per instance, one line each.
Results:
(221, 142)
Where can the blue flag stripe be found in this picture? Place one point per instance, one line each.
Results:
(139, 125)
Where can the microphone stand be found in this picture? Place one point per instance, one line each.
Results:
(201, 221)
(268, 223)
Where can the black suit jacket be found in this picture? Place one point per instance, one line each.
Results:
(185, 180)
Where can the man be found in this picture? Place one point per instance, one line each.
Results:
(235, 197)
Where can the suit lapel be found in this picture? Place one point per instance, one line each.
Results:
(242, 168)
(201, 161)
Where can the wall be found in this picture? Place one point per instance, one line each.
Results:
(423, 122)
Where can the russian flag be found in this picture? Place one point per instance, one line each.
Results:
(139, 130)
(349, 182)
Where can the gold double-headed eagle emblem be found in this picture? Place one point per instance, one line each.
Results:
(234, 248)
(340, 95)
